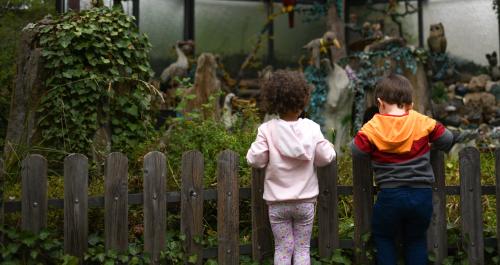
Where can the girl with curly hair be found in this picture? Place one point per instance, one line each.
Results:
(290, 148)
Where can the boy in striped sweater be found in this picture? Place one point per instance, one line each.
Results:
(398, 141)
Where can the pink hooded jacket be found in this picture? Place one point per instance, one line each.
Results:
(291, 151)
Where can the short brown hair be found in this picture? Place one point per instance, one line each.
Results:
(394, 89)
(284, 91)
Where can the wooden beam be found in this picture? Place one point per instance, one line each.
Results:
(60, 6)
(420, 24)
(189, 20)
(270, 34)
(347, 20)
(74, 5)
(135, 11)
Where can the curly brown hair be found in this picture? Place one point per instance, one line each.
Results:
(284, 91)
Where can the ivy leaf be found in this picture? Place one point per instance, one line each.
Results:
(34, 254)
(44, 235)
(93, 240)
(12, 248)
(105, 60)
(100, 257)
(193, 259)
(67, 74)
(143, 68)
(29, 241)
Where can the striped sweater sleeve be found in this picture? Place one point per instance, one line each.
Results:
(441, 138)
(361, 145)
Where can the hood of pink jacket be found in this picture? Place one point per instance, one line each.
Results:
(292, 140)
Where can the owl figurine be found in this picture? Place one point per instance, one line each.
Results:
(436, 40)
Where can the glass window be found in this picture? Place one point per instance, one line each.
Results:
(230, 29)
(288, 42)
(163, 22)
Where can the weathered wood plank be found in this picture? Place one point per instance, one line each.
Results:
(363, 206)
(497, 174)
(116, 202)
(262, 239)
(2, 202)
(192, 203)
(328, 218)
(155, 204)
(76, 170)
(228, 208)
(436, 235)
(470, 205)
(34, 193)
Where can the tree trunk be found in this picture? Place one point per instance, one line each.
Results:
(25, 96)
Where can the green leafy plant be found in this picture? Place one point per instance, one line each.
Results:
(194, 132)
(28, 248)
(439, 92)
(96, 63)
(97, 254)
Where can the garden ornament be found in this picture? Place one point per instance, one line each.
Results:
(437, 40)
(494, 69)
(177, 69)
(322, 45)
(338, 106)
(206, 84)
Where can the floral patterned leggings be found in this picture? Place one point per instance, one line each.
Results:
(292, 226)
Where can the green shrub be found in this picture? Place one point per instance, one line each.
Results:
(210, 137)
(96, 61)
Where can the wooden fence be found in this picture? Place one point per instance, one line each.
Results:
(34, 205)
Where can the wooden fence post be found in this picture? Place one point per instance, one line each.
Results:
(363, 206)
(228, 208)
(328, 218)
(436, 235)
(155, 204)
(262, 235)
(34, 193)
(2, 203)
(497, 174)
(76, 170)
(116, 202)
(470, 205)
(192, 203)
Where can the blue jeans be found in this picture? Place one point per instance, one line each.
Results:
(406, 210)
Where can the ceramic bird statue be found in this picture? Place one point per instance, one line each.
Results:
(288, 6)
(494, 69)
(322, 45)
(437, 40)
(179, 68)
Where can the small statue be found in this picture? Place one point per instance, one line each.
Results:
(177, 69)
(206, 84)
(437, 40)
(377, 30)
(494, 69)
(322, 45)
(366, 30)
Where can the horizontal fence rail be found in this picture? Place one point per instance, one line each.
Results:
(174, 197)
(156, 201)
